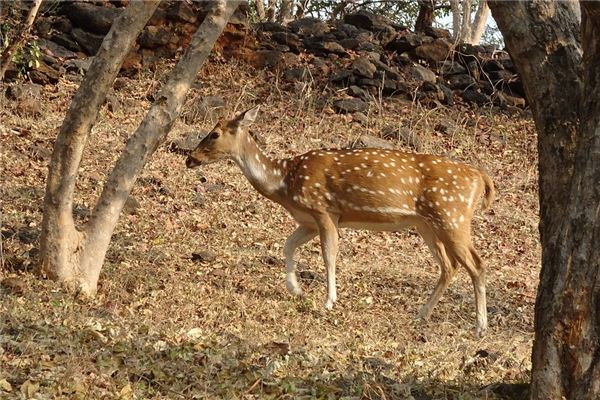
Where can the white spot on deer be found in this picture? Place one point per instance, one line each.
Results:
(461, 218)
(317, 185)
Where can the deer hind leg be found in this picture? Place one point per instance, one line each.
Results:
(447, 270)
(464, 253)
(300, 236)
(472, 262)
(328, 234)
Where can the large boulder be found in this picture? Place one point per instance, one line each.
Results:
(92, 18)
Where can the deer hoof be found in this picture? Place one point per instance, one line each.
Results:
(293, 288)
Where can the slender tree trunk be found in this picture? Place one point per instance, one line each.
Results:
(60, 241)
(478, 24)
(425, 17)
(271, 8)
(465, 29)
(564, 91)
(456, 19)
(149, 135)
(260, 9)
(77, 257)
(285, 11)
(19, 38)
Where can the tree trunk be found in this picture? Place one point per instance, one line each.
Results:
(425, 17)
(260, 9)
(83, 253)
(456, 19)
(19, 38)
(60, 241)
(285, 11)
(564, 91)
(478, 24)
(465, 29)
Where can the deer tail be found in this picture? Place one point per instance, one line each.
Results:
(490, 192)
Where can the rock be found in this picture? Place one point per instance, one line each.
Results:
(357, 91)
(88, 41)
(78, 65)
(155, 36)
(332, 47)
(371, 141)
(388, 71)
(44, 74)
(437, 33)
(204, 256)
(473, 96)
(95, 19)
(438, 50)
(421, 73)
(360, 118)
(363, 67)
(502, 75)
(267, 58)
(273, 27)
(448, 95)
(348, 30)
(296, 74)
(407, 42)
(452, 68)
(350, 43)
(66, 41)
(182, 11)
(341, 76)
(492, 65)
(368, 20)
(308, 26)
(461, 81)
(55, 50)
(320, 65)
(402, 134)
(350, 106)
(289, 39)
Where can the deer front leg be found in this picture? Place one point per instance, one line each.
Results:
(329, 246)
(300, 236)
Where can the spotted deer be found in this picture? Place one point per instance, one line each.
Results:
(367, 188)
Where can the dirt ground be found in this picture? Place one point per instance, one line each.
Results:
(220, 324)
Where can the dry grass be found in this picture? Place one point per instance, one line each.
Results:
(164, 326)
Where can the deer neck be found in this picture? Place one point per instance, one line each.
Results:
(263, 173)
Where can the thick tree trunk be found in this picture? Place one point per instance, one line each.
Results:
(456, 19)
(425, 16)
(19, 38)
(564, 91)
(60, 241)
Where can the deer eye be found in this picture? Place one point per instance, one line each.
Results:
(215, 135)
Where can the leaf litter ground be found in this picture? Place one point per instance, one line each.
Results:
(221, 324)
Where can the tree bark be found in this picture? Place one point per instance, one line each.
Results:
(285, 11)
(60, 241)
(19, 38)
(478, 24)
(425, 16)
(260, 9)
(456, 19)
(564, 90)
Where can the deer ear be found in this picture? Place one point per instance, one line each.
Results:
(246, 118)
